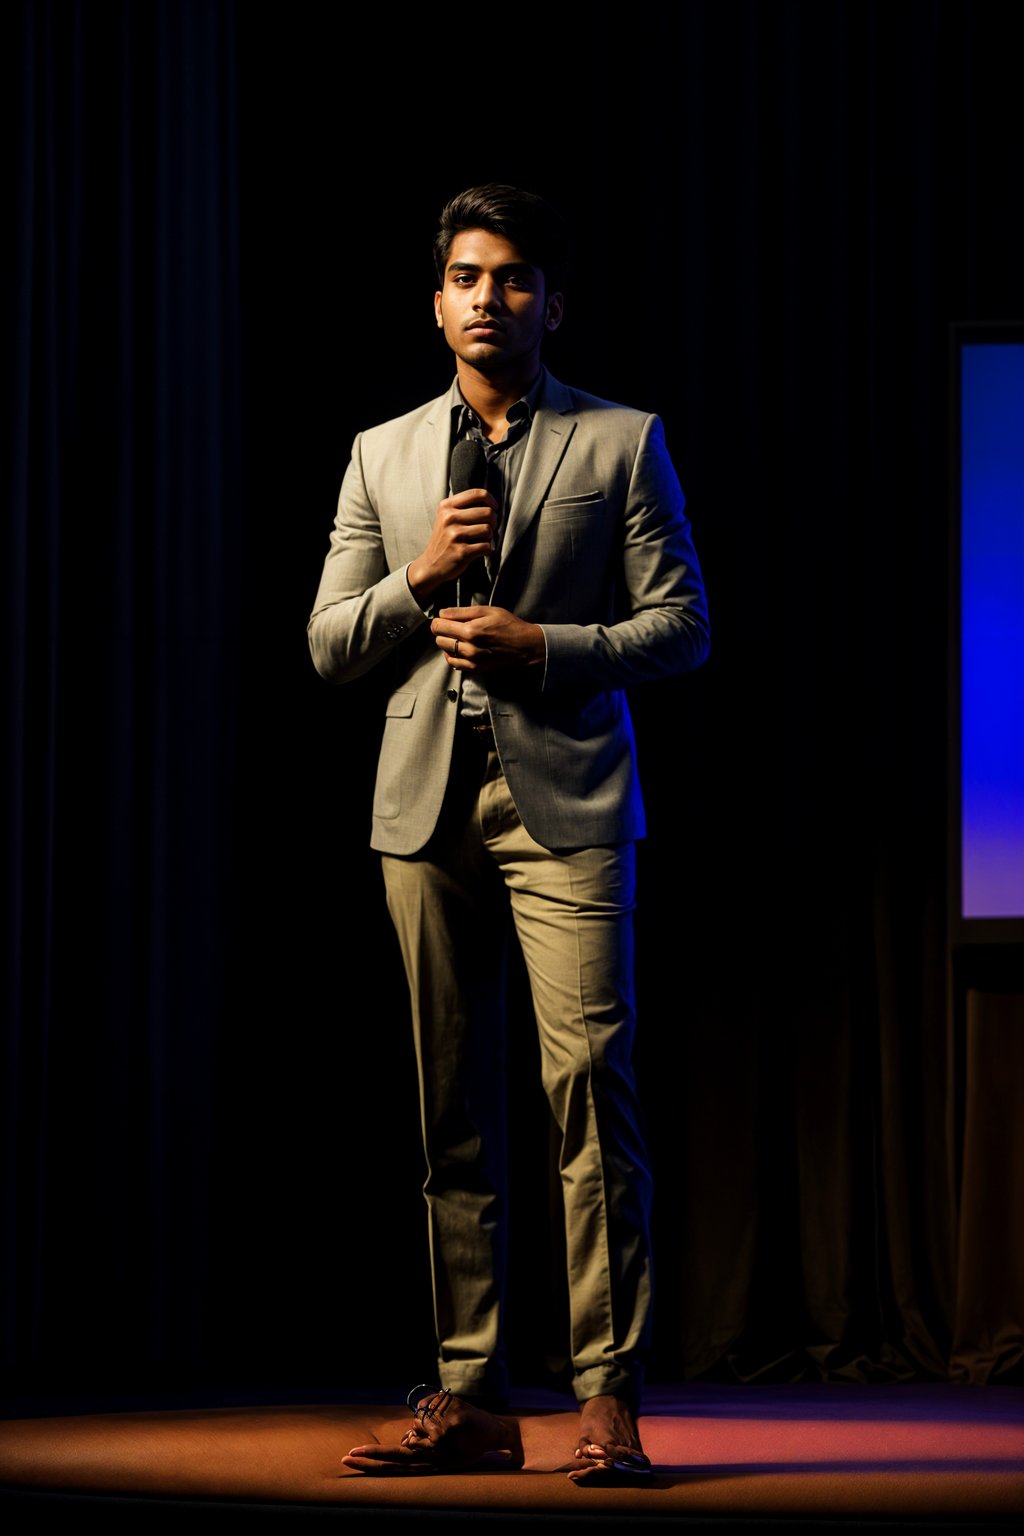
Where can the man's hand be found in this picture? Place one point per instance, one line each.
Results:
(483, 639)
(463, 531)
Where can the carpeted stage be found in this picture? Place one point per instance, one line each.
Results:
(914, 1457)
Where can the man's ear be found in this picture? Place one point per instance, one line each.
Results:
(437, 311)
(556, 304)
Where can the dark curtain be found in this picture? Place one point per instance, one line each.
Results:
(223, 218)
(123, 479)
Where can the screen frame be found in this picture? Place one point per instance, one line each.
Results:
(965, 930)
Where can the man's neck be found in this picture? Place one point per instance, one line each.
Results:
(491, 395)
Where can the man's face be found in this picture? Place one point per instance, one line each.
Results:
(493, 307)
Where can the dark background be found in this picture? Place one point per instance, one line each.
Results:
(219, 272)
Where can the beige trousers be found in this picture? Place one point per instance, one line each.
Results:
(573, 915)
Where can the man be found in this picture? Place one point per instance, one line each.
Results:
(516, 598)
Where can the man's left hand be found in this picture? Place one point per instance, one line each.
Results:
(482, 639)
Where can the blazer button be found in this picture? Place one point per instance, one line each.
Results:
(453, 694)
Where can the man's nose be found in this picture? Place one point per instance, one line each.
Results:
(488, 292)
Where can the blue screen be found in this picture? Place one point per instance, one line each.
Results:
(992, 630)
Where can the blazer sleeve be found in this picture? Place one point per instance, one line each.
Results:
(664, 629)
(363, 609)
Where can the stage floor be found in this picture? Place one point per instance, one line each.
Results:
(925, 1457)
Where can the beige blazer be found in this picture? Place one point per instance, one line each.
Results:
(597, 550)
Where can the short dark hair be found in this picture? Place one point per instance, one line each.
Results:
(532, 224)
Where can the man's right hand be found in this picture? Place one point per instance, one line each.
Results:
(463, 531)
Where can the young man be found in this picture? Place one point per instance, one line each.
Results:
(518, 552)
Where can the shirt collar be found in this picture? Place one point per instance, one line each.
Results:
(523, 409)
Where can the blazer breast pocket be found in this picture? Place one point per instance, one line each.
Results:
(568, 525)
(571, 508)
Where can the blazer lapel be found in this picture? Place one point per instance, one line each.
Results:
(550, 432)
(433, 454)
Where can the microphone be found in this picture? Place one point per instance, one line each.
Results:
(467, 472)
(468, 466)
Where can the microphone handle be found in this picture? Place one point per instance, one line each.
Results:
(468, 470)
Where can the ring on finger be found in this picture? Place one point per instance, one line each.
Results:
(435, 1407)
(455, 648)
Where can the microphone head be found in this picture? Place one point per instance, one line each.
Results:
(468, 466)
